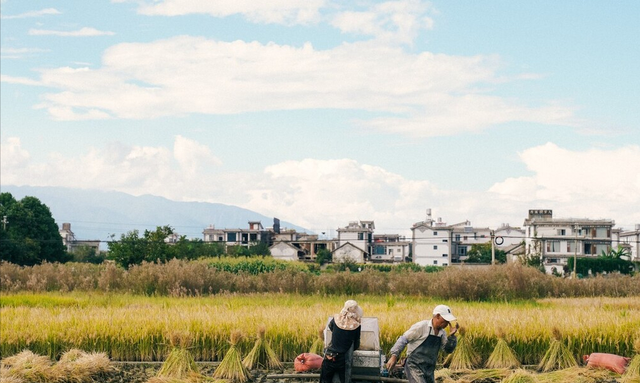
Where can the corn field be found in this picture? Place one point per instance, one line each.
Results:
(137, 328)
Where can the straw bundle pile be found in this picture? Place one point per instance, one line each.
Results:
(464, 357)
(632, 375)
(231, 366)
(262, 355)
(79, 366)
(74, 366)
(558, 356)
(502, 355)
(27, 366)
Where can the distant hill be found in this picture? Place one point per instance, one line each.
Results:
(96, 214)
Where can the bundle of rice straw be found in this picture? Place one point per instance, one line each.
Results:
(79, 366)
(27, 366)
(231, 366)
(502, 355)
(317, 347)
(519, 376)
(262, 355)
(179, 364)
(558, 356)
(464, 357)
(632, 375)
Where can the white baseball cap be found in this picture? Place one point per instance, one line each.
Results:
(444, 312)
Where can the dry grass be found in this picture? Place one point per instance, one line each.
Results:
(520, 376)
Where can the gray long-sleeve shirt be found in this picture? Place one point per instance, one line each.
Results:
(414, 336)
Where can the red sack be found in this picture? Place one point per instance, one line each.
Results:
(307, 362)
(611, 362)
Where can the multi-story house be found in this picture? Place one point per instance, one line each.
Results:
(390, 248)
(431, 242)
(255, 234)
(355, 242)
(556, 240)
(506, 238)
(290, 245)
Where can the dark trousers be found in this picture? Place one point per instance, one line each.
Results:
(332, 367)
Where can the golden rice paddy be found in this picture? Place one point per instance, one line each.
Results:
(137, 328)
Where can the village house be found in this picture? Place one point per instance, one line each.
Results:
(556, 240)
(72, 244)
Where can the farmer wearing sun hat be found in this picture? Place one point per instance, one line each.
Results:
(345, 333)
(424, 340)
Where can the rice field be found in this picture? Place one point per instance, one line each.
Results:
(138, 328)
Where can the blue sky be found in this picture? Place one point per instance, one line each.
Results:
(321, 112)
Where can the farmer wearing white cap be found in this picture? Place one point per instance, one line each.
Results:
(424, 340)
(345, 334)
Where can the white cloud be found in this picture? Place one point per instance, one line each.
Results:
(82, 32)
(428, 94)
(19, 53)
(602, 182)
(42, 12)
(326, 194)
(389, 22)
(287, 12)
(13, 156)
(19, 80)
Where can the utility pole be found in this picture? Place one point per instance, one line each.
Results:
(493, 247)
(575, 251)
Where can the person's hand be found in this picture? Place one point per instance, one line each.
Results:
(391, 362)
(455, 329)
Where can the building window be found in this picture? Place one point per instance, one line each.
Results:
(390, 251)
(435, 262)
(360, 236)
(464, 238)
(435, 247)
(444, 240)
(571, 246)
(553, 246)
(445, 255)
(435, 233)
(562, 232)
(231, 237)
(445, 264)
(458, 237)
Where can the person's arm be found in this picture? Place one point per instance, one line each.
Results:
(356, 341)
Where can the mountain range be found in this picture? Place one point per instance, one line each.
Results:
(96, 214)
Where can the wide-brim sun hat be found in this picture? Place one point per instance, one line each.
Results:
(445, 312)
(350, 316)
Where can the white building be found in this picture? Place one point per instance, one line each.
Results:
(390, 248)
(291, 245)
(348, 252)
(431, 244)
(558, 239)
(255, 234)
(358, 234)
(631, 241)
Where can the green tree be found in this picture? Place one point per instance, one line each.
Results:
(30, 235)
(86, 254)
(132, 249)
(481, 253)
(323, 256)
